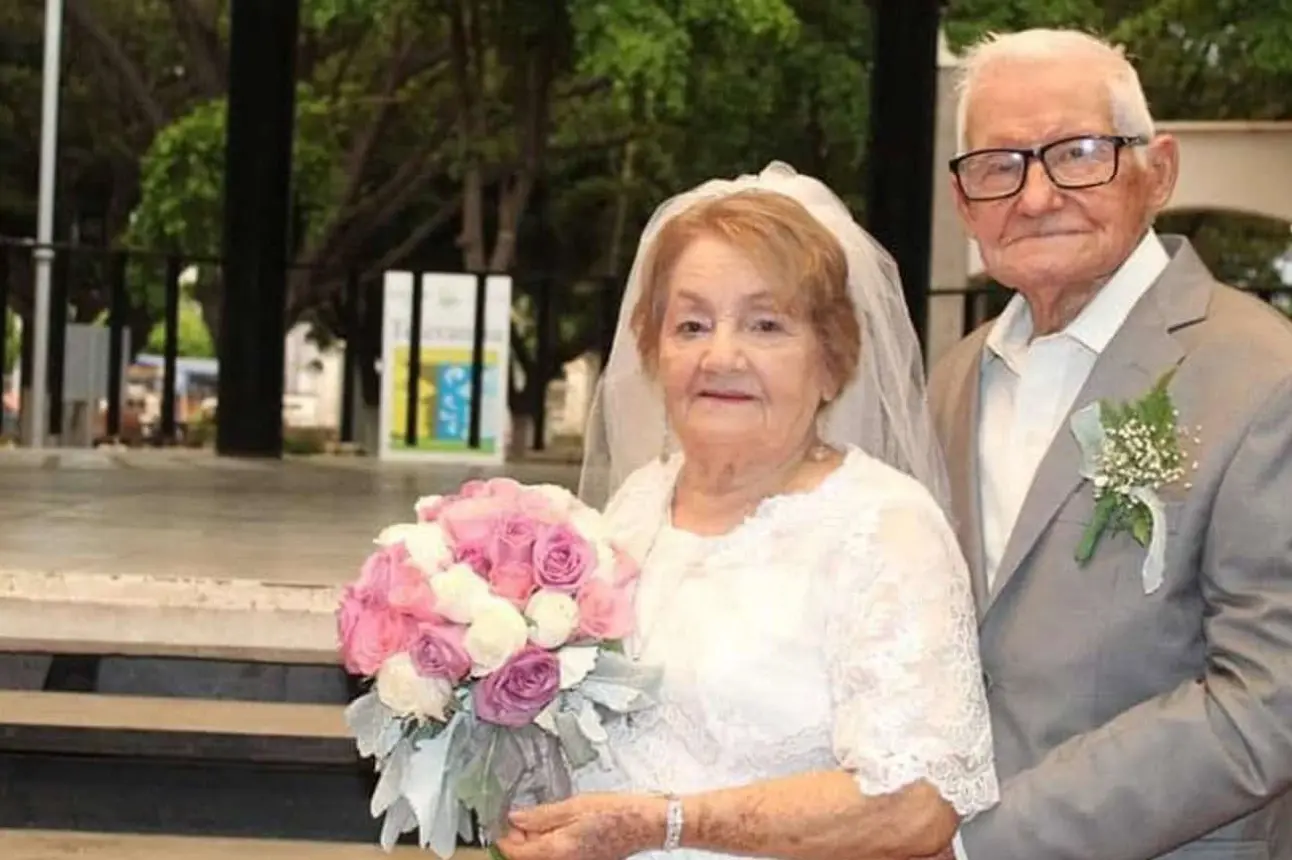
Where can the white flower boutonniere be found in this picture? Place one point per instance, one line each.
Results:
(1128, 453)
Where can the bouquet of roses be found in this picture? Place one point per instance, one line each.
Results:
(491, 631)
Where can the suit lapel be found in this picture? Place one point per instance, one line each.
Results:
(962, 462)
(1142, 350)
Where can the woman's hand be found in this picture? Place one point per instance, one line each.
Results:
(587, 827)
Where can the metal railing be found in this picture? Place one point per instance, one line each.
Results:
(354, 309)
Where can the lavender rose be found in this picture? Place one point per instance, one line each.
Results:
(519, 690)
(437, 652)
(562, 559)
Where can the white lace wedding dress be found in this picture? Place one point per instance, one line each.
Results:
(834, 628)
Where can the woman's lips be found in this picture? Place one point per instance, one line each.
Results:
(727, 396)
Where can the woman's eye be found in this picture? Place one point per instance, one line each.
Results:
(768, 325)
(690, 327)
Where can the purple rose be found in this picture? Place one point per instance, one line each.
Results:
(562, 559)
(513, 540)
(519, 689)
(437, 652)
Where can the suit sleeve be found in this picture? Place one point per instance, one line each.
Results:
(1178, 766)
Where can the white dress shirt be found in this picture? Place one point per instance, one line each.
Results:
(1029, 386)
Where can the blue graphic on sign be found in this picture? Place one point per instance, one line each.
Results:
(453, 402)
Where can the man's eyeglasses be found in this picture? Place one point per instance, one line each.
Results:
(1071, 163)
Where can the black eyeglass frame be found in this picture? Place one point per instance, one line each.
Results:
(1037, 153)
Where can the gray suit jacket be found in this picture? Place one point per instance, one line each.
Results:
(1132, 726)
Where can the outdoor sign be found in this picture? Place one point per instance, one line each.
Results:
(444, 387)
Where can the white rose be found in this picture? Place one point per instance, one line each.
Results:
(459, 592)
(391, 535)
(561, 499)
(554, 615)
(426, 502)
(497, 633)
(408, 694)
(428, 547)
(426, 543)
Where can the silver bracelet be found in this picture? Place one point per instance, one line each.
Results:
(673, 821)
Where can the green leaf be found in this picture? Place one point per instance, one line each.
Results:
(1142, 525)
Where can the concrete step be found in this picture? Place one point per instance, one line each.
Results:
(64, 845)
(28, 708)
(195, 617)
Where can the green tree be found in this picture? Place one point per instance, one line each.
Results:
(1197, 59)
(192, 341)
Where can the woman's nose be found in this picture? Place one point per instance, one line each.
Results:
(724, 350)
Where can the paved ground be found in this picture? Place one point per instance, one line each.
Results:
(181, 553)
(180, 514)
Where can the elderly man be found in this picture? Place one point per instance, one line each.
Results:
(1135, 608)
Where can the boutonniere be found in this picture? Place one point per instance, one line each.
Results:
(1129, 452)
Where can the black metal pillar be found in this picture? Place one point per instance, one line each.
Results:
(257, 185)
(4, 319)
(170, 353)
(903, 125)
(352, 325)
(116, 353)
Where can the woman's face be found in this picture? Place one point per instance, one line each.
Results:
(737, 369)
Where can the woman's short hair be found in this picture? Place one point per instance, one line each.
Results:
(801, 259)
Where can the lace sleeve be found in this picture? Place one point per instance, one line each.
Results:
(906, 681)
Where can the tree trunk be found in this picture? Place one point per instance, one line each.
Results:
(464, 36)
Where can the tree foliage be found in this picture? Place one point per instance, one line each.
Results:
(1197, 60)
(530, 136)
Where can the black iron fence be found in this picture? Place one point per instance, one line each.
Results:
(104, 282)
(106, 297)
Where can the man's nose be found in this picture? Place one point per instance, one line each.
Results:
(1039, 194)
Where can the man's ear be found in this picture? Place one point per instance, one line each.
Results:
(1163, 164)
(962, 204)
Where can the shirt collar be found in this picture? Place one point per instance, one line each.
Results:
(1099, 321)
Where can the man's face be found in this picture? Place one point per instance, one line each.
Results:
(1046, 238)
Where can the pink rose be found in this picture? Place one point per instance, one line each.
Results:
(539, 508)
(472, 521)
(513, 540)
(504, 489)
(380, 611)
(562, 559)
(476, 555)
(437, 652)
(410, 592)
(370, 632)
(513, 581)
(374, 576)
(605, 610)
(429, 508)
(519, 690)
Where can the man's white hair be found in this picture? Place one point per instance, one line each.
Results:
(1130, 113)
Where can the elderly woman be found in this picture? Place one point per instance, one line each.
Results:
(762, 429)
